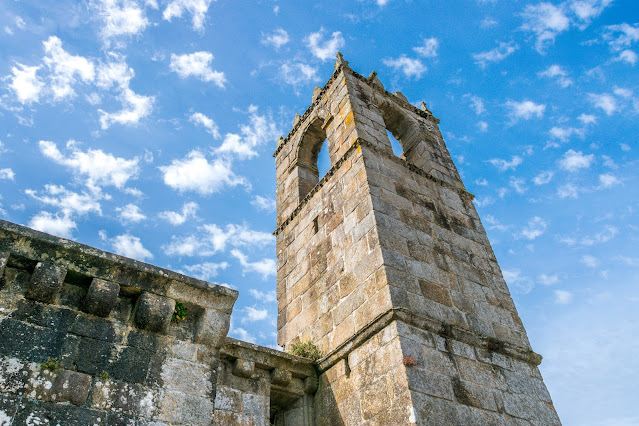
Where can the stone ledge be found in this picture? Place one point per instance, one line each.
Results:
(435, 326)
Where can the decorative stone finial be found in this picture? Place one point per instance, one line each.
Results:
(340, 60)
(423, 106)
(316, 93)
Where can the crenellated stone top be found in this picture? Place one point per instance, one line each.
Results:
(104, 278)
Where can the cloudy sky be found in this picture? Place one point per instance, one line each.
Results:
(147, 128)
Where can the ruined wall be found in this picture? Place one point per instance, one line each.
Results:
(86, 337)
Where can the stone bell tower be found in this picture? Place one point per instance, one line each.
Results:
(384, 264)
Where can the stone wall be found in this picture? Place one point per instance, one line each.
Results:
(86, 337)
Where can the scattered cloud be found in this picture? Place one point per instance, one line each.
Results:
(202, 120)
(525, 110)
(198, 65)
(621, 36)
(503, 165)
(568, 191)
(548, 280)
(410, 67)
(130, 246)
(608, 180)
(563, 297)
(535, 228)
(65, 68)
(628, 56)
(260, 130)
(605, 101)
(120, 18)
(134, 108)
(298, 73)
(488, 22)
(518, 184)
(95, 167)
(546, 21)
(207, 270)
(587, 119)
(130, 214)
(278, 38)
(590, 261)
(197, 9)
(7, 174)
(175, 218)
(264, 297)
(263, 203)
(253, 314)
(196, 173)
(68, 202)
(557, 72)
(324, 49)
(498, 54)
(25, 83)
(564, 134)
(543, 177)
(60, 225)
(476, 103)
(212, 239)
(575, 160)
(265, 267)
(482, 126)
(429, 48)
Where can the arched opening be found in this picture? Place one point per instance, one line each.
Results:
(397, 147)
(313, 160)
(403, 131)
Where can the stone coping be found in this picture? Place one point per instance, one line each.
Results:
(424, 323)
(130, 274)
(267, 358)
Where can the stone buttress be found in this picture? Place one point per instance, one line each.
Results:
(384, 264)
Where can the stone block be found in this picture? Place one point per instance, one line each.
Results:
(46, 282)
(153, 312)
(101, 297)
(131, 365)
(212, 327)
(93, 356)
(32, 412)
(71, 386)
(243, 368)
(281, 377)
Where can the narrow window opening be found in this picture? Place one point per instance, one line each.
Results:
(397, 147)
(316, 225)
(323, 161)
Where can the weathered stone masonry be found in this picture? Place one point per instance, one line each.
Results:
(383, 264)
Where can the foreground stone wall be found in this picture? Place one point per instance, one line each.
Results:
(86, 337)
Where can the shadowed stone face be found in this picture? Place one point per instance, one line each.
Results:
(153, 312)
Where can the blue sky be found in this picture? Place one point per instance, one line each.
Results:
(147, 128)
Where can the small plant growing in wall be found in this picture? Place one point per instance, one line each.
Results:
(306, 350)
(51, 364)
(104, 376)
(409, 361)
(179, 313)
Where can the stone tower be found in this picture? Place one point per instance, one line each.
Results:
(385, 266)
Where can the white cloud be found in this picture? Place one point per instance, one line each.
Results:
(565, 133)
(514, 278)
(324, 49)
(556, 71)
(64, 68)
(429, 48)
(628, 56)
(625, 147)
(590, 261)
(196, 173)
(498, 54)
(297, 74)
(197, 8)
(200, 119)
(607, 180)
(568, 191)
(265, 267)
(563, 297)
(259, 131)
(121, 18)
(575, 160)
(622, 92)
(621, 36)
(265, 297)
(518, 184)
(185, 246)
(263, 203)
(587, 119)
(535, 228)
(605, 101)
(488, 22)
(95, 167)
(175, 218)
(212, 239)
(543, 177)
(130, 214)
(7, 174)
(277, 38)
(410, 67)
(130, 246)
(586, 10)
(493, 223)
(476, 103)
(114, 73)
(134, 108)
(503, 165)
(548, 280)
(67, 201)
(253, 314)
(62, 226)
(197, 64)
(525, 109)
(545, 20)
(25, 83)
(207, 270)
(607, 234)
(482, 126)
